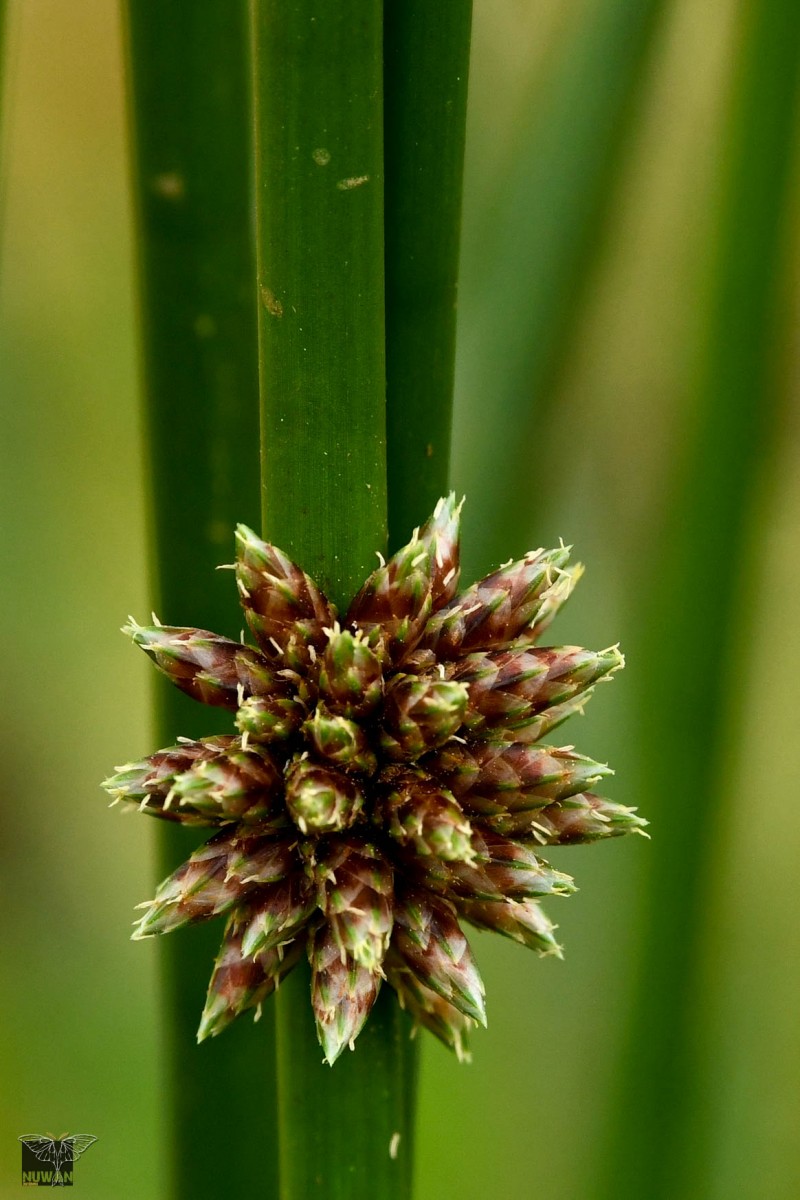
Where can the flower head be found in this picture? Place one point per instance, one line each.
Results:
(386, 785)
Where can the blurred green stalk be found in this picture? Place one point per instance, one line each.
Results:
(3, 101)
(658, 1144)
(2, 56)
(535, 250)
(190, 117)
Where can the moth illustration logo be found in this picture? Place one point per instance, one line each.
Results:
(47, 1161)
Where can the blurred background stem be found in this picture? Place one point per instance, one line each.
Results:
(659, 1139)
(5, 64)
(533, 249)
(2, 61)
(188, 78)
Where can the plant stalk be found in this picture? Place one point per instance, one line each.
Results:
(659, 1144)
(426, 69)
(188, 74)
(319, 199)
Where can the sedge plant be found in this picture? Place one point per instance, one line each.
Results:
(383, 782)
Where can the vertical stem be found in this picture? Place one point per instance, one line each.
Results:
(426, 65)
(658, 1146)
(426, 68)
(319, 197)
(2, 57)
(319, 193)
(188, 80)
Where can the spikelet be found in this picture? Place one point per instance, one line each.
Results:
(429, 940)
(394, 604)
(241, 981)
(342, 993)
(423, 816)
(420, 714)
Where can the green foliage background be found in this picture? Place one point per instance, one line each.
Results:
(610, 358)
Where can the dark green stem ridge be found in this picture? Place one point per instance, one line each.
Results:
(319, 196)
(190, 121)
(660, 1136)
(426, 66)
(319, 202)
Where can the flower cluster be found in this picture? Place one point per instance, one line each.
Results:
(387, 782)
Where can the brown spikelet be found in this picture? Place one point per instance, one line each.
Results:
(581, 818)
(429, 1008)
(215, 877)
(321, 799)
(240, 981)
(271, 718)
(393, 606)
(499, 609)
(507, 687)
(281, 603)
(420, 814)
(148, 784)
(493, 777)
(419, 714)
(522, 920)
(428, 938)
(350, 674)
(276, 913)
(209, 668)
(235, 785)
(355, 894)
(343, 991)
(340, 741)
(503, 869)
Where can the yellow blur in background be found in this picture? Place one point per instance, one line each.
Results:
(574, 408)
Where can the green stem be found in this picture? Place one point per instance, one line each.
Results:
(659, 1146)
(319, 195)
(188, 77)
(426, 65)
